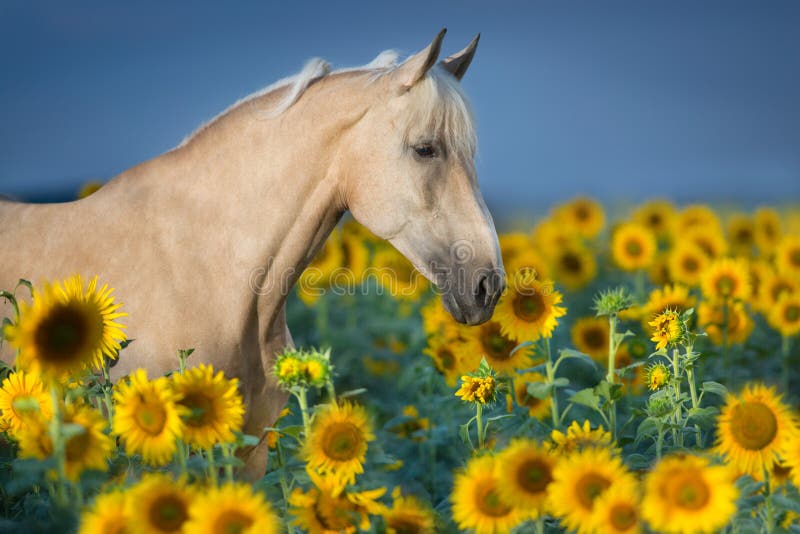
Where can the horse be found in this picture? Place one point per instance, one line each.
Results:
(257, 190)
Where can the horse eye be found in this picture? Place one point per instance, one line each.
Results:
(425, 150)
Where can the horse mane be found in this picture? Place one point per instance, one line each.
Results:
(437, 100)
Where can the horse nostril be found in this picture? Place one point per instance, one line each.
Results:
(483, 291)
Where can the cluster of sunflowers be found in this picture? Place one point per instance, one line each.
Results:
(635, 378)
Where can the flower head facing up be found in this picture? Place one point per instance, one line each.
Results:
(667, 329)
(479, 387)
(303, 368)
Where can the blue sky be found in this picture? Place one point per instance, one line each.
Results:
(693, 100)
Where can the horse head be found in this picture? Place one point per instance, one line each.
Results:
(412, 180)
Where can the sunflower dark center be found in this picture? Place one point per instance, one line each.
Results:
(634, 248)
(744, 236)
(404, 525)
(571, 263)
(77, 445)
(168, 513)
(61, 336)
(623, 516)
(341, 441)
(582, 213)
(488, 501)
(595, 338)
(232, 522)
(691, 492)
(792, 313)
(589, 487)
(151, 418)
(794, 257)
(691, 264)
(201, 409)
(534, 475)
(496, 345)
(447, 359)
(725, 285)
(753, 425)
(529, 308)
(655, 220)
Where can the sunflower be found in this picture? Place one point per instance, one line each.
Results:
(231, 508)
(773, 286)
(549, 236)
(787, 256)
(538, 408)
(512, 245)
(658, 216)
(686, 494)
(478, 389)
(355, 257)
(753, 428)
(528, 259)
(574, 266)
(524, 472)
(579, 479)
(696, 216)
(88, 448)
(726, 279)
(337, 445)
(741, 234)
(214, 409)
(147, 417)
(437, 321)
(22, 396)
(714, 317)
(528, 309)
(477, 504)
(106, 515)
(67, 328)
(767, 230)
(396, 275)
(411, 426)
(633, 246)
(666, 329)
(710, 240)
(580, 437)
(657, 376)
(590, 335)
(659, 270)
(670, 297)
(326, 509)
(452, 358)
(489, 341)
(408, 515)
(785, 316)
(157, 505)
(617, 511)
(583, 216)
(687, 262)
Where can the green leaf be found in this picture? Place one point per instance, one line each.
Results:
(539, 390)
(499, 417)
(520, 346)
(620, 337)
(715, 388)
(705, 417)
(560, 382)
(586, 397)
(351, 393)
(71, 430)
(463, 433)
(783, 502)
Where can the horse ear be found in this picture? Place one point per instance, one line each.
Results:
(458, 63)
(414, 68)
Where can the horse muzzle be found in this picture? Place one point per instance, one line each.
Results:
(472, 302)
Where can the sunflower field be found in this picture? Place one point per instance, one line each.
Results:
(640, 374)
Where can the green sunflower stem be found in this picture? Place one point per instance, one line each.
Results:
(329, 387)
(677, 438)
(212, 467)
(107, 391)
(612, 372)
(551, 376)
(302, 400)
(693, 394)
(770, 519)
(639, 285)
(659, 444)
(284, 484)
(540, 525)
(180, 453)
(479, 423)
(59, 448)
(785, 340)
(227, 453)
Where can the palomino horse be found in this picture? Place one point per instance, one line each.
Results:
(258, 189)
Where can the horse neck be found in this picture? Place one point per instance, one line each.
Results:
(261, 194)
